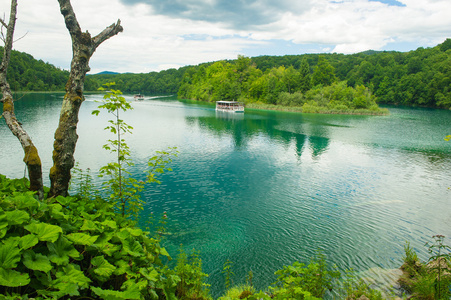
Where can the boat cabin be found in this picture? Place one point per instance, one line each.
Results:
(231, 106)
(138, 97)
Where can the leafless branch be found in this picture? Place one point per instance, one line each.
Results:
(21, 37)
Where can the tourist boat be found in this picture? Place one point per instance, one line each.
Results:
(230, 106)
(138, 97)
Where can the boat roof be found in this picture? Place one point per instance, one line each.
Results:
(228, 102)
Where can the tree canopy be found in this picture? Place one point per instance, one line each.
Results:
(421, 77)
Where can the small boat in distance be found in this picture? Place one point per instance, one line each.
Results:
(230, 106)
(138, 97)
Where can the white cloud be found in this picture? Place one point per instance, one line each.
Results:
(152, 42)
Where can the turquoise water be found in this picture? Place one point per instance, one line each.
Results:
(264, 189)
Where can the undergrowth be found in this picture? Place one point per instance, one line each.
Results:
(431, 279)
(78, 247)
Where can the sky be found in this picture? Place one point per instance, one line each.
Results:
(163, 34)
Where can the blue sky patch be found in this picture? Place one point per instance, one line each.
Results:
(390, 2)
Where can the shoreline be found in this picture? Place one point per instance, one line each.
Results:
(298, 109)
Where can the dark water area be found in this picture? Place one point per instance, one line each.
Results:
(264, 189)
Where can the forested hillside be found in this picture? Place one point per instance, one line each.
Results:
(421, 77)
(28, 74)
(157, 83)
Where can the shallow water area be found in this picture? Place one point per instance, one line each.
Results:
(264, 189)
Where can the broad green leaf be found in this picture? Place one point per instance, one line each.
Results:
(134, 231)
(132, 247)
(3, 232)
(123, 235)
(102, 267)
(135, 282)
(122, 267)
(103, 239)
(36, 261)
(13, 278)
(60, 289)
(80, 238)
(89, 225)
(109, 223)
(164, 252)
(25, 201)
(17, 217)
(28, 241)
(65, 201)
(151, 276)
(71, 274)
(9, 253)
(3, 221)
(45, 232)
(132, 293)
(56, 212)
(110, 249)
(61, 250)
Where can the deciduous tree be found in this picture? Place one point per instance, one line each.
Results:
(83, 47)
(31, 159)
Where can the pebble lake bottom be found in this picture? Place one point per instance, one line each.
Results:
(264, 189)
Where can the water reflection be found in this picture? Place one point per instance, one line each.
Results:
(242, 128)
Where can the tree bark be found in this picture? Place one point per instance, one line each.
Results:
(31, 158)
(83, 47)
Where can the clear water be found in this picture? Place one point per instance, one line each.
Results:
(264, 189)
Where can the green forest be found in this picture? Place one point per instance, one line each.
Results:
(416, 78)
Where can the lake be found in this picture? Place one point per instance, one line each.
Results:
(264, 189)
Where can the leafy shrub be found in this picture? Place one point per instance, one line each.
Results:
(355, 288)
(310, 107)
(299, 281)
(238, 292)
(191, 285)
(430, 280)
(70, 246)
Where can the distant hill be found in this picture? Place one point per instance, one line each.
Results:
(420, 77)
(107, 73)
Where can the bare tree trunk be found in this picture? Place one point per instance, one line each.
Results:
(83, 47)
(31, 159)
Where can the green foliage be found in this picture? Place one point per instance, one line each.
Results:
(84, 181)
(410, 257)
(440, 262)
(421, 77)
(239, 292)
(281, 86)
(353, 288)
(28, 74)
(228, 273)
(124, 189)
(324, 72)
(431, 280)
(76, 247)
(299, 281)
(192, 280)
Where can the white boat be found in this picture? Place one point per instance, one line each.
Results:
(230, 106)
(138, 97)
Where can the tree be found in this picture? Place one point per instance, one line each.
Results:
(324, 73)
(83, 47)
(31, 159)
(305, 77)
